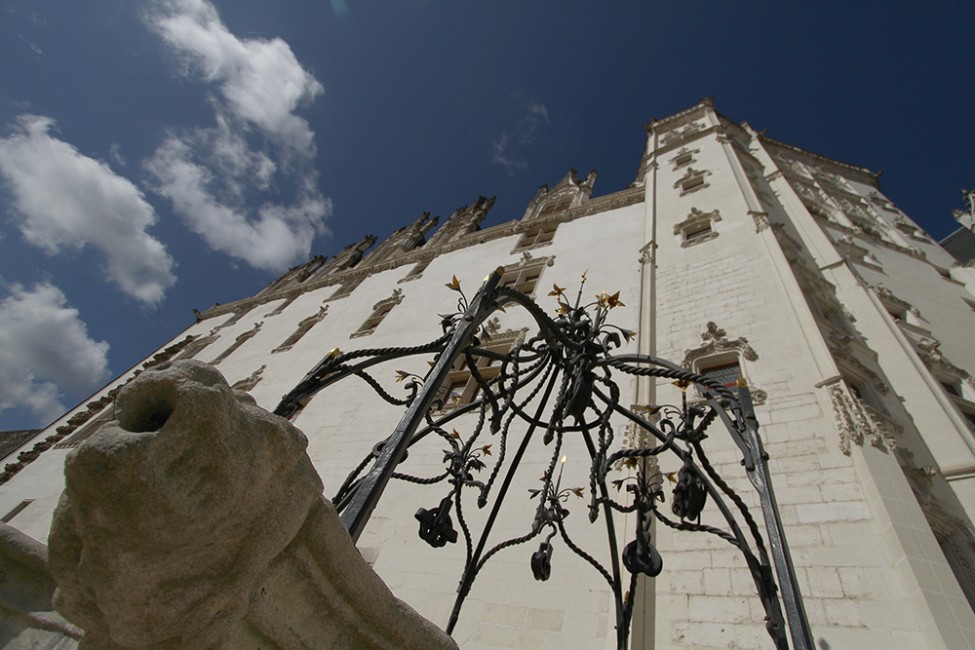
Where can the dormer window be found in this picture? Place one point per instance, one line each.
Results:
(416, 271)
(555, 206)
(536, 236)
(346, 288)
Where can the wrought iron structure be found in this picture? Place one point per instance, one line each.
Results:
(555, 385)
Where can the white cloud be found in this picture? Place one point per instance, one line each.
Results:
(217, 177)
(272, 239)
(500, 148)
(67, 200)
(523, 133)
(115, 153)
(45, 351)
(261, 81)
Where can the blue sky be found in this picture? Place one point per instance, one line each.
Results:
(161, 156)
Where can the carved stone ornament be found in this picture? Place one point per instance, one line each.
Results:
(761, 220)
(458, 232)
(930, 353)
(195, 520)
(966, 219)
(248, 383)
(715, 340)
(887, 296)
(692, 180)
(856, 421)
(681, 133)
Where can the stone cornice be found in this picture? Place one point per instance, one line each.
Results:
(623, 198)
(676, 119)
(874, 177)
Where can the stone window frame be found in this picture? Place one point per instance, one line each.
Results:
(17, 509)
(460, 387)
(553, 205)
(858, 254)
(537, 236)
(710, 367)
(346, 288)
(198, 344)
(241, 339)
(379, 313)
(911, 230)
(416, 271)
(525, 275)
(698, 227)
(962, 385)
(945, 273)
(303, 327)
(907, 317)
(717, 350)
(683, 158)
(692, 181)
(248, 383)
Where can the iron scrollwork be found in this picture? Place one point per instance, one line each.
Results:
(553, 385)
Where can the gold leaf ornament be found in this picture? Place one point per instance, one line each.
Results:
(454, 284)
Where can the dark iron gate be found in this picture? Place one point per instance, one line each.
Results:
(555, 384)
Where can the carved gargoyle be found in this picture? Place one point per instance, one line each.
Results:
(195, 520)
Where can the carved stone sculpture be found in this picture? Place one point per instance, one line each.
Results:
(195, 520)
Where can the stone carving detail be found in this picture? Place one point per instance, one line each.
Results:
(761, 220)
(887, 296)
(195, 520)
(455, 238)
(692, 180)
(681, 133)
(403, 240)
(856, 421)
(464, 221)
(694, 223)
(76, 421)
(930, 353)
(635, 437)
(715, 340)
(26, 589)
(683, 157)
(966, 219)
(567, 193)
(492, 326)
(247, 383)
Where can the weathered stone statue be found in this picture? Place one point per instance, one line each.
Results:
(195, 520)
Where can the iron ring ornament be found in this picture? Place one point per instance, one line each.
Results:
(553, 385)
